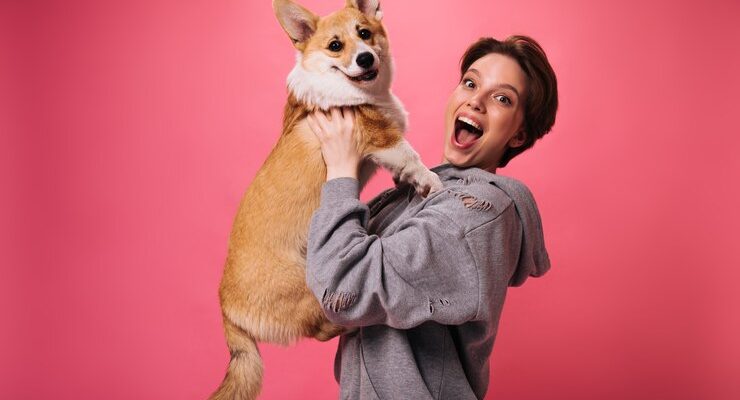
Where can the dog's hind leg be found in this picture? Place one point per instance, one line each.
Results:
(312, 321)
(277, 308)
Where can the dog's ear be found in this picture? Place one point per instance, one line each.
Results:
(298, 22)
(371, 8)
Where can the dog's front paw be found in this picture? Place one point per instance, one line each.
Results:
(422, 179)
(427, 182)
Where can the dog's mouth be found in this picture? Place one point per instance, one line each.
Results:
(366, 77)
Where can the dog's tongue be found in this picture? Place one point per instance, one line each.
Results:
(464, 136)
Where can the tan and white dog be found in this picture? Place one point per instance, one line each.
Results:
(343, 59)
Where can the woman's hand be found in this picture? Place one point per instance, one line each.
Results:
(338, 145)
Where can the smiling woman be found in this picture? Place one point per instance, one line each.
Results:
(484, 113)
(424, 279)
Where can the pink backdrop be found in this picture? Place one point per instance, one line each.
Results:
(130, 130)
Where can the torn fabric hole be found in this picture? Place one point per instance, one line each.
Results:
(472, 202)
(338, 301)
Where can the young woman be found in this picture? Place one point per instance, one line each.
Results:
(424, 279)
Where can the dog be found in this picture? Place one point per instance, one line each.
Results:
(343, 59)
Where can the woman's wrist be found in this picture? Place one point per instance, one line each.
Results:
(340, 172)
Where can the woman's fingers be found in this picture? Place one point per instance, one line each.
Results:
(314, 126)
(334, 129)
(349, 117)
(336, 115)
(335, 121)
(322, 120)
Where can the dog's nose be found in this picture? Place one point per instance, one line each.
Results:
(365, 60)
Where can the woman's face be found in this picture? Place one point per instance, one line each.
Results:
(485, 113)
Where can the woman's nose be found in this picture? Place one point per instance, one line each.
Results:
(475, 103)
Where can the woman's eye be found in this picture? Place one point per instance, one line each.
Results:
(335, 45)
(365, 34)
(469, 83)
(503, 99)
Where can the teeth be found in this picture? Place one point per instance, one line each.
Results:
(470, 122)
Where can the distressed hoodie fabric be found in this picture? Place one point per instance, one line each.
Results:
(422, 279)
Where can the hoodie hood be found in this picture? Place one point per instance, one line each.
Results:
(533, 258)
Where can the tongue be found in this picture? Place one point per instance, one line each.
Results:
(464, 136)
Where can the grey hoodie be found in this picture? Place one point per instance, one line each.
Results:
(424, 280)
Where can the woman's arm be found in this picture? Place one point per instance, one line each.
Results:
(423, 271)
(427, 269)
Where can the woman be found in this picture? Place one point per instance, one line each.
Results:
(424, 279)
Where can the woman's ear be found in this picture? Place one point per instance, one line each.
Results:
(518, 139)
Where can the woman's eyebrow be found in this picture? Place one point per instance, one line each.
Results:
(501, 85)
(507, 86)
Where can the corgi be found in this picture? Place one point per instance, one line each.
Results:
(343, 59)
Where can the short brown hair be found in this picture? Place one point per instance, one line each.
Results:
(541, 99)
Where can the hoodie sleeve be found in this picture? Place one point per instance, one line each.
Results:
(426, 270)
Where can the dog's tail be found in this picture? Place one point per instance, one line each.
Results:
(243, 379)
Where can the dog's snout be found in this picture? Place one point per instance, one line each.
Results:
(365, 60)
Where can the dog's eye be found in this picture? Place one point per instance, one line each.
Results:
(365, 34)
(335, 45)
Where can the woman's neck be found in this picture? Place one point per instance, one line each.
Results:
(490, 169)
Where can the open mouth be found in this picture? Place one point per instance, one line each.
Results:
(467, 132)
(366, 77)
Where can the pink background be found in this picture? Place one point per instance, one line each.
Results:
(130, 130)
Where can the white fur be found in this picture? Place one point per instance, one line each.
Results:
(396, 158)
(404, 162)
(323, 87)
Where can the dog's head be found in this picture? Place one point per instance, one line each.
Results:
(343, 58)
